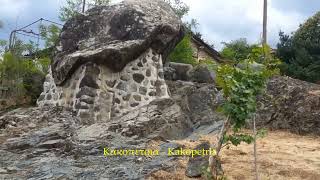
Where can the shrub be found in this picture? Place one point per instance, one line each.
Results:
(301, 51)
(241, 85)
(237, 50)
(183, 53)
(25, 76)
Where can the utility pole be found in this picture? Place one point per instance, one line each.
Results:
(265, 18)
(83, 6)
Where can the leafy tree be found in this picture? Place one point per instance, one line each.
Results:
(3, 45)
(99, 3)
(241, 85)
(34, 72)
(23, 76)
(236, 50)
(179, 7)
(21, 48)
(30, 47)
(74, 7)
(183, 53)
(50, 34)
(301, 51)
(71, 9)
(18, 48)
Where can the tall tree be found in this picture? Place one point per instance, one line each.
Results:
(301, 51)
(3, 43)
(237, 50)
(50, 34)
(179, 7)
(71, 9)
(75, 7)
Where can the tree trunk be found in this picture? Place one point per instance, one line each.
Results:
(212, 165)
(255, 147)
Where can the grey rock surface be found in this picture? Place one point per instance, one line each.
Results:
(115, 35)
(186, 72)
(290, 104)
(202, 74)
(52, 143)
(196, 165)
(198, 100)
(109, 61)
(177, 71)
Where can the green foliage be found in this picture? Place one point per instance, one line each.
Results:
(212, 65)
(74, 8)
(101, 2)
(3, 44)
(23, 75)
(206, 173)
(29, 47)
(236, 139)
(262, 133)
(71, 9)
(241, 85)
(32, 80)
(50, 34)
(19, 48)
(45, 53)
(301, 51)
(183, 53)
(180, 8)
(237, 50)
(10, 67)
(44, 64)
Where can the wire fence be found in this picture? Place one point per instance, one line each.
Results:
(12, 85)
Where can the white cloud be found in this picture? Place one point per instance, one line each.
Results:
(220, 20)
(13, 8)
(226, 20)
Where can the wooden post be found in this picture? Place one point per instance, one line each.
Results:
(265, 19)
(83, 6)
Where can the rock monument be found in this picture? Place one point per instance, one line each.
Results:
(109, 61)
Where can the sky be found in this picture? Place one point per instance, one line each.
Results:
(219, 20)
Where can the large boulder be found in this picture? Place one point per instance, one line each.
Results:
(110, 60)
(290, 104)
(177, 71)
(202, 74)
(186, 72)
(116, 35)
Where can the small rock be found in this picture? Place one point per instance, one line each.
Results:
(197, 163)
(3, 171)
(138, 77)
(143, 90)
(32, 125)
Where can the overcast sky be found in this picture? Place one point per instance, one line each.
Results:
(220, 20)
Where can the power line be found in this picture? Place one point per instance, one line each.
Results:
(30, 24)
(41, 19)
(52, 22)
(28, 35)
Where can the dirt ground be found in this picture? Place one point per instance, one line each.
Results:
(281, 156)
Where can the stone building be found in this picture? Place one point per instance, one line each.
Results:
(203, 51)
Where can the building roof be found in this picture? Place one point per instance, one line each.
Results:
(210, 50)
